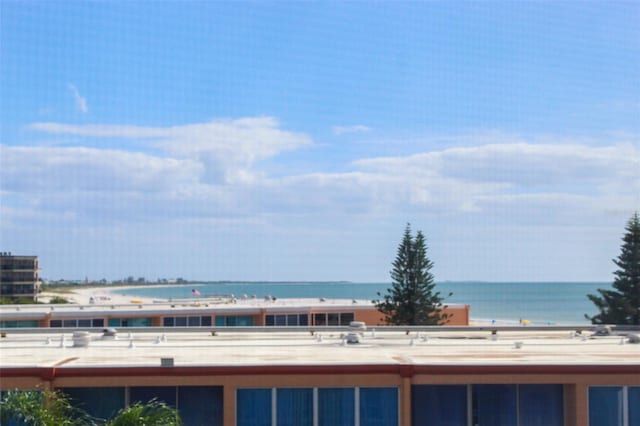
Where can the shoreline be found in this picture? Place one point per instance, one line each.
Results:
(110, 296)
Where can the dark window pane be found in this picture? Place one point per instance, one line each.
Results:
(269, 320)
(333, 319)
(378, 406)
(295, 407)
(84, 323)
(320, 319)
(200, 405)
(97, 322)
(69, 323)
(303, 319)
(168, 321)
(166, 394)
(346, 318)
(495, 405)
(194, 321)
(244, 321)
(634, 406)
(181, 322)
(439, 405)
(205, 321)
(97, 402)
(230, 321)
(541, 405)
(220, 321)
(253, 407)
(336, 406)
(292, 320)
(605, 406)
(55, 323)
(281, 320)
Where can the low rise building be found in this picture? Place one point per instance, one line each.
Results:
(333, 376)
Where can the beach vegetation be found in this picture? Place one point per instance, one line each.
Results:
(58, 300)
(412, 298)
(621, 304)
(54, 408)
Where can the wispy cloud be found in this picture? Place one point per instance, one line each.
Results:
(357, 128)
(81, 102)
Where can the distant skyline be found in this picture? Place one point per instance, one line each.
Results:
(294, 140)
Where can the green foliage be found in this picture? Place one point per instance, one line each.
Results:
(17, 300)
(52, 408)
(622, 304)
(412, 299)
(153, 413)
(58, 300)
(40, 408)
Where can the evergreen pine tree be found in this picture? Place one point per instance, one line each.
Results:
(622, 304)
(411, 300)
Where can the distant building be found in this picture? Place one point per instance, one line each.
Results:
(19, 276)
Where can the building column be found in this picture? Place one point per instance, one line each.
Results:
(405, 402)
(229, 405)
(576, 409)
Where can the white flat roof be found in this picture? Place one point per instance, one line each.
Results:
(247, 348)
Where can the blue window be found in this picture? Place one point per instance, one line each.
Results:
(253, 407)
(166, 394)
(102, 403)
(378, 406)
(540, 405)
(439, 405)
(614, 406)
(200, 405)
(336, 406)
(295, 407)
(495, 405)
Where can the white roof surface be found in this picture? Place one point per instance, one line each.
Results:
(278, 347)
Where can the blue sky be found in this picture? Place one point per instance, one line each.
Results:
(294, 140)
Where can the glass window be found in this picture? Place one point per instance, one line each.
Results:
(168, 321)
(97, 402)
(320, 319)
(166, 394)
(139, 322)
(303, 320)
(69, 323)
(245, 321)
(333, 319)
(378, 406)
(281, 320)
(439, 405)
(230, 321)
(114, 322)
(605, 406)
(97, 322)
(84, 323)
(253, 407)
(181, 322)
(55, 323)
(346, 318)
(194, 321)
(494, 405)
(295, 407)
(220, 321)
(336, 406)
(292, 320)
(269, 320)
(540, 405)
(634, 405)
(200, 405)
(205, 321)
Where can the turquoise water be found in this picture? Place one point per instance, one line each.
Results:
(541, 302)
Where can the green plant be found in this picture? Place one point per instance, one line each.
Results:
(40, 408)
(152, 413)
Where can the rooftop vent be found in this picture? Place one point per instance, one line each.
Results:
(109, 333)
(602, 330)
(634, 338)
(352, 338)
(357, 326)
(81, 339)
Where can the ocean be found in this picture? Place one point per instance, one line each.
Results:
(538, 302)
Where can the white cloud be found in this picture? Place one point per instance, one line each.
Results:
(81, 102)
(357, 128)
(227, 148)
